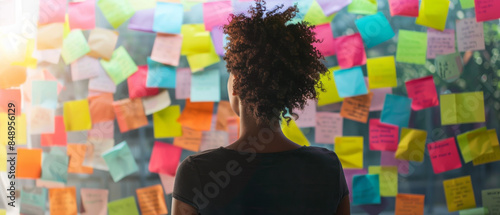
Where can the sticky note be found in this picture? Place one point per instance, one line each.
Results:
(116, 11)
(167, 182)
(85, 68)
(422, 92)
(216, 13)
(449, 66)
(459, 193)
(409, 204)
(486, 10)
(396, 111)
(195, 39)
(183, 83)
(165, 158)
(219, 39)
(331, 94)
(205, 86)
(168, 17)
(388, 179)
(470, 35)
(50, 36)
(55, 167)
(62, 201)
(143, 4)
(491, 200)
(474, 211)
(315, 15)
(33, 200)
(412, 47)
(411, 145)
(94, 201)
(125, 206)
(41, 120)
(102, 130)
(383, 137)
(374, 29)
(143, 20)
(224, 111)
(293, 132)
(350, 51)
(44, 93)
(463, 143)
(433, 14)
(130, 114)
(404, 7)
(77, 115)
(102, 83)
(350, 151)
(459, 108)
(381, 72)
(165, 122)
(466, 4)
(48, 55)
(160, 75)
(387, 158)
(197, 115)
(307, 116)
(479, 143)
(95, 147)
(199, 61)
(167, 49)
(328, 126)
(153, 104)
(357, 108)
(76, 153)
(350, 82)
(349, 174)
(58, 138)
(120, 66)
(440, 42)
(137, 84)
(82, 15)
(120, 161)
(151, 200)
(324, 33)
(74, 46)
(213, 140)
(331, 7)
(51, 11)
(10, 96)
(365, 189)
(190, 139)
(444, 155)
(102, 43)
(493, 156)
(365, 7)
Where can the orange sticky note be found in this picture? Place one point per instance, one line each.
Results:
(357, 108)
(50, 36)
(29, 163)
(101, 108)
(130, 114)
(151, 200)
(102, 43)
(197, 115)
(63, 201)
(190, 139)
(224, 111)
(76, 153)
(409, 204)
(58, 138)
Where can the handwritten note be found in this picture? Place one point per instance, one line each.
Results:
(397, 110)
(365, 7)
(76, 153)
(62, 201)
(95, 147)
(357, 108)
(440, 42)
(102, 43)
(41, 120)
(94, 201)
(153, 104)
(205, 86)
(82, 15)
(350, 151)
(33, 200)
(489, 157)
(449, 66)
(120, 66)
(137, 84)
(183, 83)
(116, 11)
(374, 29)
(197, 115)
(409, 204)
(165, 122)
(143, 20)
(58, 138)
(50, 36)
(331, 94)
(491, 200)
(130, 114)
(381, 72)
(29, 163)
(331, 7)
(168, 17)
(84, 68)
(102, 83)
(328, 126)
(120, 161)
(51, 11)
(366, 189)
(461, 108)
(165, 158)
(190, 139)
(293, 132)
(77, 115)
(486, 10)
(383, 137)
(412, 47)
(470, 35)
(459, 193)
(151, 200)
(124, 206)
(433, 14)
(160, 75)
(74, 46)
(350, 51)
(444, 155)
(167, 49)
(422, 92)
(350, 82)
(325, 34)
(44, 93)
(411, 145)
(315, 15)
(388, 179)
(216, 13)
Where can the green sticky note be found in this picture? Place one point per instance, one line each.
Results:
(331, 95)
(474, 211)
(116, 11)
(367, 7)
(433, 13)
(315, 15)
(55, 167)
(463, 143)
(388, 176)
(165, 122)
(74, 46)
(449, 67)
(120, 66)
(125, 206)
(466, 4)
(459, 108)
(412, 47)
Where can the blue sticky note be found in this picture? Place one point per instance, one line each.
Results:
(168, 17)
(350, 82)
(120, 161)
(44, 93)
(160, 75)
(33, 199)
(55, 167)
(365, 189)
(205, 86)
(396, 111)
(374, 29)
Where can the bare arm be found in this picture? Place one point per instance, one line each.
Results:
(182, 208)
(344, 207)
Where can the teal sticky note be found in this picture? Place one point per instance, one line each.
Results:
(205, 86)
(160, 75)
(33, 200)
(55, 167)
(350, 82)
(365, 189)
(374, 29)
(168, 17)
(120, 161)
(44, 93)
(396, 111)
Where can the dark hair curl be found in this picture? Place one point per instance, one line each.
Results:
(275, 64)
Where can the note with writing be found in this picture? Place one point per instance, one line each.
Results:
(102, 130)
(216, 13)
(366, 189)
(143, 20)
(62, 201)
(41, 120)
(95, 147)
(381, 72)
(130, 114)
(160, 75)
(167, 49)
(486, 10)
(374, 29)
(197, 115)
(470, 35)
(449, 67)
(396, 111)
(205, 86)
(165, 122)
(388, 179)
(84, 68)
(489, 157)
(491, 200)
(409, 204)
(350, 151)
(81, 15)
(102, 43)
(433, 13)
(151, 200)
(44, 93)
(357, 108)
(94, 201)
(58, 138)
(315, 15)
(50, 36)
(153, 104)
(307, 116)
(137, 84)
(77, 115)
(444, 155)
(76, 153)
(440, 42)
(328, 126)
(168, 17)
(350, 51)
(459, 108)
(365, 7)
(74, 46)
(459, 193)
(124, 206)
(293, 132)
(190, 139)
(183, 83)
(350, 82)
(412, 47)
(383, 137)
(116, 11)
(120, 161)
(33, 200)
(422, 92)
(120, 66)
(165, 158)
(331, 94)
(404, 7)
(387, 158)
(325, 34)
(411, 145)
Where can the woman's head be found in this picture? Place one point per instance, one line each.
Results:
(273, 64)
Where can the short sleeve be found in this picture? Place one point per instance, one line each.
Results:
(344, 190)
(187, 180)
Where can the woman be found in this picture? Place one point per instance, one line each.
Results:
(273, 68)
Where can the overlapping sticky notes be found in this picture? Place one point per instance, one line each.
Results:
(365, 189)
(381, 72)
(491, 200)
(76, 153)
(41, 120)
(74, 46)
(33, 200)
(197, 115)
(205, 86)
(58, 138)
(224, 111)
(459, 108)
(383, 137)
(486, 10)
(331, 7)
(440, 42)
(388, 179)
(470, 35)
(66, 28)
(167, 49)
(77, 115)
(190, 139)
(101, 108)
(130, 114)
(422, 92)
(412, 47)
(459, 193)
(85, 68)
(55, 166)
(102, 130)
(120, 161)
(165, 122)
(137, 84)
(165, 158)
(50, 36)
(374, 29)
(365, 7)
(102, 43)
(331, 94)
(350, 82)
(62, 201)
(328, 126)
(387, 158)
(449, 66)
(143, 20)
(411, 145)
(315, 15)
(120, 66)
(160, 75)
(28, 60)
(44, 93)
(307, 116)
(349, 174)
(350, 51)
(168, 17)
(433, 13)
(94, 201)
(489, 157)
(378, 98)
(124, 206)
(183, 83)
(102, 83)
(116, 11)
(463, 143)
(444, 155)
(396, 111)
(95, 147)
(151, 200)
(350, 151)
(167, 182)
(357, 108)
(195, 39)
(82, 15)
(409, 204)
(153, 104)
(219, 40)
(51, 11)
(480, 143)
(199, 61)
(325, 34)
(216, 13)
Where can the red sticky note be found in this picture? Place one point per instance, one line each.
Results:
(82, 15)
(487, 10)
(324, 33)
(423, 93)
(58, 138)
(404, 8)
(165, 158)
(101, 108)
(383, 137)
(197, 115)
(350, 51)
(10, 96)
(29, 163)
(444, 155)
(137, 84)
(51, 11)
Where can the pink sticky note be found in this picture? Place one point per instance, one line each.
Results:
(350, 51)
(423, 93)
(487, 10)
(348, 174)
(379, 98)
(58, 138)
(307, 116)
(444, 155)
(82, 15)
(137, 84)
(168, 183)
(328, 126)
(10, 97)
(387, 158)
(142, 20)
(470, 35)
(167, 49)
(404, 8)
(324, 33)
(51, 11)
(183, 83)
(102, 130)
(84, 68)
(383, 137)
(216, 13)
(440, 42)
(165, 158)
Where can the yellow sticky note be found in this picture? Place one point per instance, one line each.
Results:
(29, 60)
(463, 143)
(77, 115)
(350, 151)
(74, 46)
(479, 143)
(388, 176)
(459, 193)
(433, 13)
(3, 212)
(411, 145)
(459, 108)
(50, 36)
(199, 61)
(195, 39)
(165, 122)
(116, 11)
(19, 128)
(331, 95)
(66, 28)
(381, 72)
(493, 156)
(315, 15)
(293, 133)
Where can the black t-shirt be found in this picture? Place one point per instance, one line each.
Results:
(306, 180)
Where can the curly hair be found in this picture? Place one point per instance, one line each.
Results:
(276, 65)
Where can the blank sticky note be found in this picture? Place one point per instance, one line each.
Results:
(216, 13)
(350, 51)
(120, 161)
(102, 43)
(357, 108)
(195, 39)
(315, 15)
(199, 61)
(168, 17)
(44, 93)
(165, 158)
(151, 200)
(444, 155)
(165, 122)
(120, 66)
(74, 46)
(374, 29)
(365, 189)
(123, 206)
(459, 108)
(77, 115)
(82, 15)
(167, 49)
(440, 42)
(350, 151)
(116, 11)
(493, 156)
(102, 83)
(143, 20)
(350, 82)
(76, 154)
(433, 13)
(396, 111)
(383, 137)
(29, 163)
(160, 75)
(325, 34)
(85, 68)
(479, 143)
(12, 97)
(95, 201)
(50, 36)
(293, 133)
(101, 108)
(411, 145)
(409, 204)
(459, 193)
(130, 114)
(422, 92)
(331, 94)
(381, 72)
(63, 201)
(205, 86)
(486, 10)
(58, 138)
(388, 179)
(466, 4)
(183, 83)
(153, 104)
(463, 143)
(197, 115)
(137, 84)
(412, 47)
(51, 11)
(470, 35)
(365, 7)
(449, 67)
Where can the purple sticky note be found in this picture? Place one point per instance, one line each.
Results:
(218, 40)
(142, 20)
(330, 7)
(349, 173)
(387, 159)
